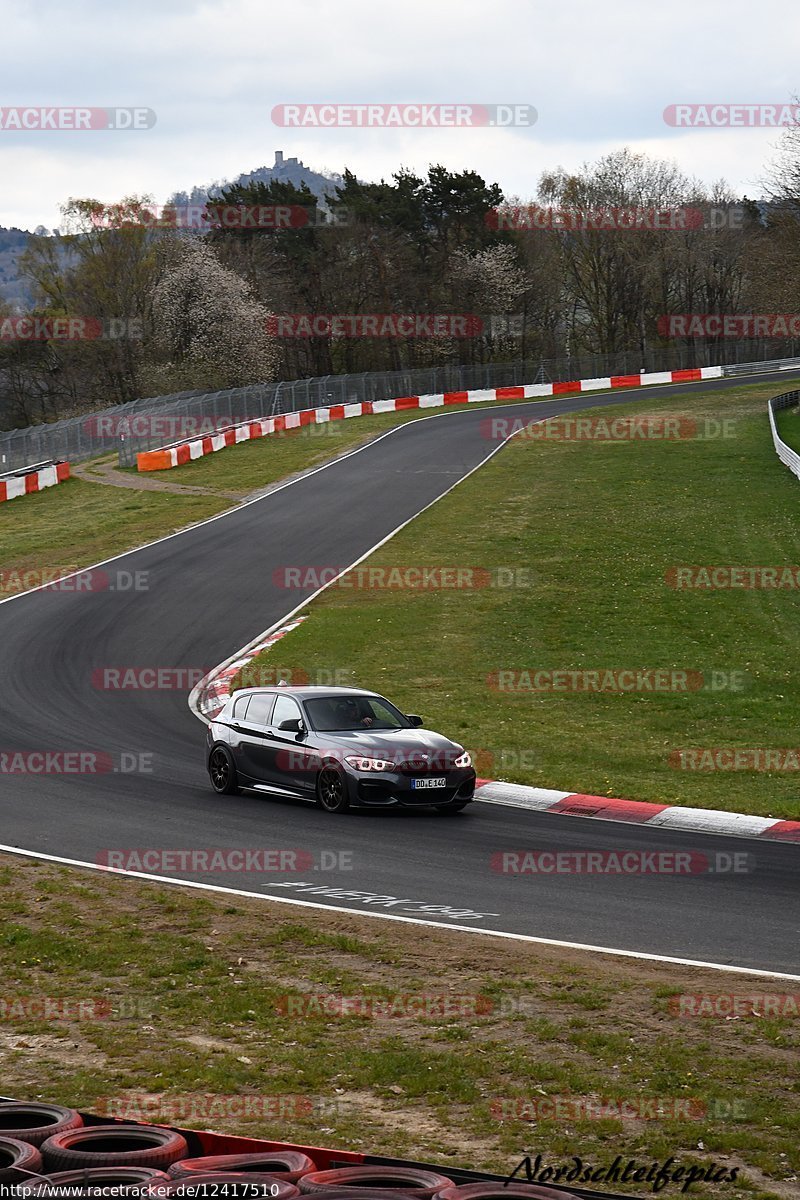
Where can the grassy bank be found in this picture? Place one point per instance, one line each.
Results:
(191, 1002)
(597, 529)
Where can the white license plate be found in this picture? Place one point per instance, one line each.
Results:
(428, 783)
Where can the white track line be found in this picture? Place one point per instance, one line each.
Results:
(500, 933)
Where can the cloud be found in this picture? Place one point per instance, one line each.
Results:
(599, 75)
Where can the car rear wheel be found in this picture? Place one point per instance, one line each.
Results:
(332, 790)
(455, 806)
(222, 772)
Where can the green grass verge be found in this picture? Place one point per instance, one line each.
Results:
(196, 1018)
(599, 525)
(76, 524)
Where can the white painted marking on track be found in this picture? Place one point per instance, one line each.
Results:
(499, 933)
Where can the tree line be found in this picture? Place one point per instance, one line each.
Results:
(589, 266)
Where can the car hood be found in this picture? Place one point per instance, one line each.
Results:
(393, 744)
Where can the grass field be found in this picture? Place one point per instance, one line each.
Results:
(192, 1002)
(600, 527)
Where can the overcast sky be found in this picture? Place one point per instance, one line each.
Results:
(599, 75)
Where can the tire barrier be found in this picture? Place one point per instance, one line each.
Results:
(288, 1165)
(35, 1123)
(240, 1184)
(155, 1162)
(114, 1146)
(411, 1181)
(17, 1156)
(499, 1191)
(126, 1181)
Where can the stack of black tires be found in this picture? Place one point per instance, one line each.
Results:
(48, 1151)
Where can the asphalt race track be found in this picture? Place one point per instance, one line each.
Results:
(210, 591)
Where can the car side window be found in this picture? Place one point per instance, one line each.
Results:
(258, 712)
(286, 709)
(240, 708)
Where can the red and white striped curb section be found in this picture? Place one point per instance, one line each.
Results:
(176, 456)
(208, 698)
(664, 816)
(33, 481)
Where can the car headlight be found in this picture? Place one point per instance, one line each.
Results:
(463, 760)
(368, 764)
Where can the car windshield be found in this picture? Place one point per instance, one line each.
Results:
(330, 713)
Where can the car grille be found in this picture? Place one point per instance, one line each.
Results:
(436, 764)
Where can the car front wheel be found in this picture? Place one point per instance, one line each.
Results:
(332, 790)
(222, 772)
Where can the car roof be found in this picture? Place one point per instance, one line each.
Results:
(301, 693)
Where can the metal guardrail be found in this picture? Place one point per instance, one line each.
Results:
(789, 457)
(157, 421)
(48, 462)
(765, 367)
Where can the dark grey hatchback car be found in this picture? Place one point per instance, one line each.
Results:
(338, 746)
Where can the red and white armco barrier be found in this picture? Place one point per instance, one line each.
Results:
(33, 481)
(176, 456)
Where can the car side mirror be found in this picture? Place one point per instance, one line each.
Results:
(414, 720)
(295, 725)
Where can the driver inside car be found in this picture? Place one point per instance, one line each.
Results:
(353, 714)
